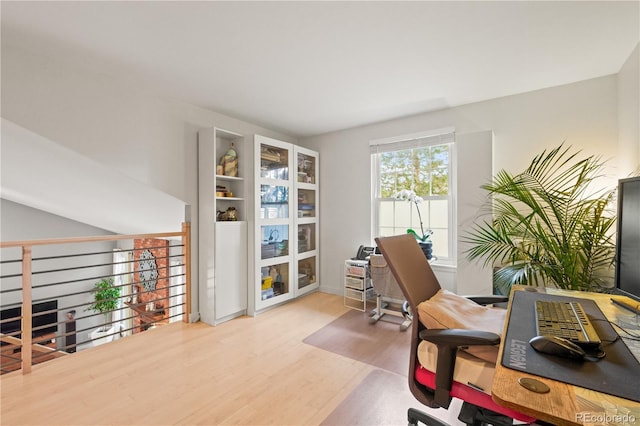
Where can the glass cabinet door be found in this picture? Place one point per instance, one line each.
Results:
(306, 168)
(286, 230)
(306, 272)
(306, 237)
(274, 236)
(305, 217)
(275, 241)
(306, 203)
(274, 162)
(274, 202)
(274, 280)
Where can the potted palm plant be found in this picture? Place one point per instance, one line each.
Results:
(547, 226)
(105, 301)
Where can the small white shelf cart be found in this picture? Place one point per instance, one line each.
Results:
(357, 285)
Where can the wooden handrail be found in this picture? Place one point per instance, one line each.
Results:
(37, 347)
(74, 240)
(26, 322)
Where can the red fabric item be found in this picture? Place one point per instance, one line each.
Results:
(467, 393)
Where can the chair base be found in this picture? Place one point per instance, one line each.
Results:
(477, 416)
(469, 414)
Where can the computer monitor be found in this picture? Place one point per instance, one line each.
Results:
(628, 238)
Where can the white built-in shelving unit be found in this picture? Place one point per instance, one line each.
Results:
(222, 244)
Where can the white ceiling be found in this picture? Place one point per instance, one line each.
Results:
(307, 68)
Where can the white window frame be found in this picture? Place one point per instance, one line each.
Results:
(422, 139)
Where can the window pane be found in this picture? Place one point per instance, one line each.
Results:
(440, 181)
(415, 218)
(403, 214)
(385, 214)
(440, 156)
(387, 231)
(440, 240)
(424, 170)
(439, 210)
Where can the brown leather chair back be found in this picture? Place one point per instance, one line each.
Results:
(417, 281)
(410, 268)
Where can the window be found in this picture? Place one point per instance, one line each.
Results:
(421, 163)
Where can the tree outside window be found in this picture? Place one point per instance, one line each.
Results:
(426, 171)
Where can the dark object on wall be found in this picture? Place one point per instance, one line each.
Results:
(70, 332)
(48, 320)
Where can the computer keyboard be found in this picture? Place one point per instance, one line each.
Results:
(567, 320)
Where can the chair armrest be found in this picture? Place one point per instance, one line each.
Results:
(488, 299)
(448, 341)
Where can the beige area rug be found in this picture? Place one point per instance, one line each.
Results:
(383, 398)
(380, 344)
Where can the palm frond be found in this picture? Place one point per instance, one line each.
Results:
(545, 226)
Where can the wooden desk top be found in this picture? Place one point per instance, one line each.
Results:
(567, 404)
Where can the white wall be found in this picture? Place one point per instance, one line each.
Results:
(40, 173)
(144, 136)
(474, 160)
(629, 114)
(583, 114)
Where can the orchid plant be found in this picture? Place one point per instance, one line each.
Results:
(410, 196)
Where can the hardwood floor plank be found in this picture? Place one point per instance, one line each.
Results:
(247, 371)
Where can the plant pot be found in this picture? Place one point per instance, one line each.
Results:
(427, 249)
(99, 337)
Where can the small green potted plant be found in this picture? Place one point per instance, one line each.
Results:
(105, 301)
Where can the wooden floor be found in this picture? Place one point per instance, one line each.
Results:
(248, 371)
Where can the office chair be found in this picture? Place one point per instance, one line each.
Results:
(435, 387)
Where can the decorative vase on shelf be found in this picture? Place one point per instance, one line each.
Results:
(230, 162)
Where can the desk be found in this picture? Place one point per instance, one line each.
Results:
(565, 404)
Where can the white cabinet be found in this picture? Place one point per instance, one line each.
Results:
(286, 222)
(231, 269)
(222, 224)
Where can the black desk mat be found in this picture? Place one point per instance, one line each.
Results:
(618, 373)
